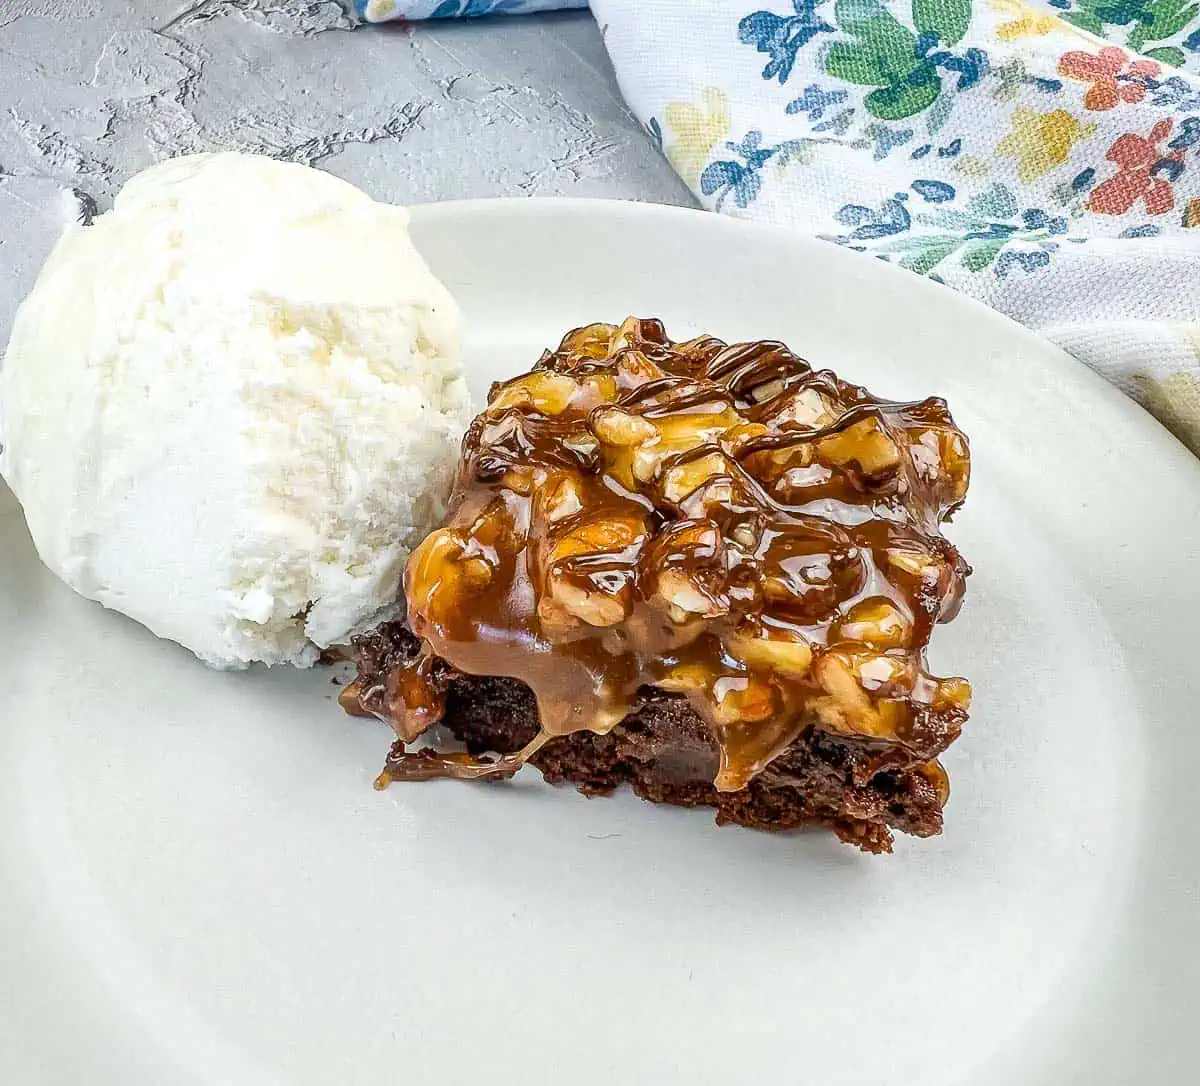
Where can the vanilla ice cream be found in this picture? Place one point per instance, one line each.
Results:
(232, 404)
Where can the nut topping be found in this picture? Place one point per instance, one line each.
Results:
(720, 522)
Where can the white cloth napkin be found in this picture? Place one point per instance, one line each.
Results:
(988, 144)
(1005, 149)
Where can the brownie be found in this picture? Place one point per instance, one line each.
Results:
(666, 753)
(704, 570)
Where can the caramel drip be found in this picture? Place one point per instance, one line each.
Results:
(718, 521)
(428, 765)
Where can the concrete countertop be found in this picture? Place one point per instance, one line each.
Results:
(91, 91)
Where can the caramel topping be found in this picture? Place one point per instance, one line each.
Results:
(718, 521)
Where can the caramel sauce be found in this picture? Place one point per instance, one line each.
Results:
(718, 521)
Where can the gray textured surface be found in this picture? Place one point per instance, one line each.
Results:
(91, 91)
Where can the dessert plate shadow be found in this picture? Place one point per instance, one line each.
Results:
(200, 885)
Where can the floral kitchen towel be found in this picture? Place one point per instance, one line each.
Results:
(1001, 148)
(378, 11)
(1044, 159)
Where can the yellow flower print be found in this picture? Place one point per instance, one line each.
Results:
(1041, 141)
(972, 166)
(378, 10)
(1027, 22)
(1175, 400)
(697, 131)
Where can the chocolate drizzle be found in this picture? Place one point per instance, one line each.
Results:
(716, 521)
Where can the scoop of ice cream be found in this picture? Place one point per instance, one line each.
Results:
(231, 405)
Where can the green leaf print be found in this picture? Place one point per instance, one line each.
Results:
(882, 52)
(948, 19)
(1148, 21)
(1167, 54)
(896, 103)
(1168, 18)
(996, 201)
(853, 16)
(979, 254)
(928, 253)
(1085, 20)
(890, 40)
(856, 64)
(931, 256)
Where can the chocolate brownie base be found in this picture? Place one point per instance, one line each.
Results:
(666, 753)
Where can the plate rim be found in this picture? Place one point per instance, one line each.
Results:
(1075, 375)
(884, 271)
(1131, 1004)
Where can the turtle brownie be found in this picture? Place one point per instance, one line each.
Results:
(703, 570)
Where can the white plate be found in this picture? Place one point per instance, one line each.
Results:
(199, 884)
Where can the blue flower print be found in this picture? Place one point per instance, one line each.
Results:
(970, 68)
(886, 139)
(838, 124)
(451, 9)
(933, 192)
(1028, 260)
(1188, 136)
(782, 37)
(867, 225)
(725, 177)
(1073, 192)
(990, 232)
(1034, 219)
(1175, 91)
(373, 11)
(742, 179)
(656, 132)
(1012, 75)
(814, 101)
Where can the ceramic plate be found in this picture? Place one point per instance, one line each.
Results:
(200, 886)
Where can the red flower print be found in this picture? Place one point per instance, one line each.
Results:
(1113, 76)
(1140, 169)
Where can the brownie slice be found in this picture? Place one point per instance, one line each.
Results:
(704, 570)
(667, 754)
